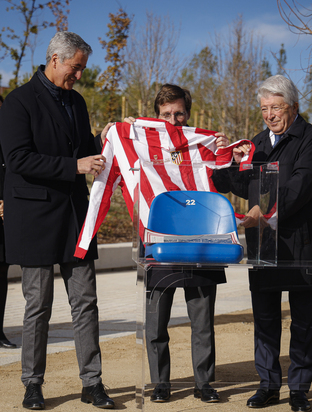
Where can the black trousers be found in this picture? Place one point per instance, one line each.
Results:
(267, 320)
(200, 306)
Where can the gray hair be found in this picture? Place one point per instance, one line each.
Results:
(65, 44)
(279, 85)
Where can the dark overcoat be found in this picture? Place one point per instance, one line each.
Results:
(45, 201)
(2, 174)
(294, 154)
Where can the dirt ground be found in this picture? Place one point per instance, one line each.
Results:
(236, 377)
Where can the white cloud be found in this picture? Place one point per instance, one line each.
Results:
(274, 34)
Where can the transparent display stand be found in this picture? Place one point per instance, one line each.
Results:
(187, 223)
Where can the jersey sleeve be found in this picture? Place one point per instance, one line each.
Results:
(100, 197)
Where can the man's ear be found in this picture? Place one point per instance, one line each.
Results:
(54, 60)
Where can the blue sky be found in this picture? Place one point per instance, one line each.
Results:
(198, 19)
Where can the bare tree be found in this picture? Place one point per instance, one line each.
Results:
(151, 61)
(297, 16)
(299, 20)
(239, 70)
(199, 78)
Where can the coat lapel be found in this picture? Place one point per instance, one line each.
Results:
(48, 102)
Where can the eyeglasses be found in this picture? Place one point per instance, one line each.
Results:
(275, 109)
(177, 115)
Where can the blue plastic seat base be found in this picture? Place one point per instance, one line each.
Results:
(195, 252)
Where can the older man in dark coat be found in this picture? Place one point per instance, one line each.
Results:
(288, 140)
(48, 148)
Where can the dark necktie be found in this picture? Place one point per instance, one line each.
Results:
(277, 138)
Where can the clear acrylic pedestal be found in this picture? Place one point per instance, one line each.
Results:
(251, 190)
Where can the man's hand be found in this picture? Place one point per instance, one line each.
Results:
(93, 165)
(1, 209)
(222, 140)
(240, 151)
(254, 218)
(129, 120)
(105, 131)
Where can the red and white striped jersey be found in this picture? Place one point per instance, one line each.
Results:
(168, 158)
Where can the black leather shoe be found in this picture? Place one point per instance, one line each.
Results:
(97, 396)
(263, 397)
(206, 393)
(298, 401)
(161, 393)
(5, 343)
(33, 398)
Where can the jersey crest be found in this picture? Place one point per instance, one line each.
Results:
(177, 157)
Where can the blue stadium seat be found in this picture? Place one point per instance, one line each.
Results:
(190, 213)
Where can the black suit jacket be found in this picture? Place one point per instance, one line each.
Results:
(45, 200)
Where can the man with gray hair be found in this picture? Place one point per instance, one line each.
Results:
(48, 148)
(288, 140)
